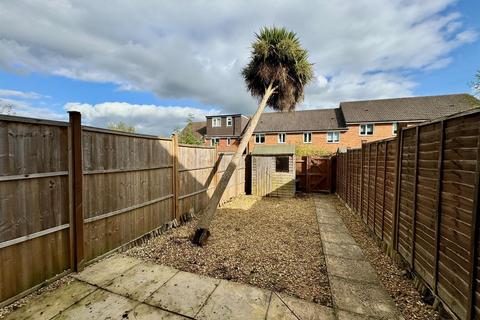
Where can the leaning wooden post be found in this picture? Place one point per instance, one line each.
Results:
(175, 178)
(76, 192)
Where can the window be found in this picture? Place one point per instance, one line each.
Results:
(216, 122)
(333, 137)
(229, 140)
(307, 137)
(260, 138)
(229, 121)
(366, 129)
(215, 141)
(394, 128)
(282, 164)
(281, 137)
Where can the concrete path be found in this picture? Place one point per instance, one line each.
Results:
(356, 291)
(122, 287)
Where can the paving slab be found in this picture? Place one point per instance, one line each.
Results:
(102, 273)
(277, 310)
(100, 304)
(306, 310)
(141, 281)
(358, 270)
(326, 227)
(185, 293)
(362, 298)
(350, 251)
(50, 304)
(329, 219)
(337, 237)
(146, 312)
(236, 301)
(345, 315)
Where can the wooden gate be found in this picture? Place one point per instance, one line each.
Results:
(314, 174)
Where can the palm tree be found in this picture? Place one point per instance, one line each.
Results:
(277, 74)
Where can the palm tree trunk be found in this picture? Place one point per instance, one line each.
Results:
(202, 233)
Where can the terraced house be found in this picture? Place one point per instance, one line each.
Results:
(347, 126)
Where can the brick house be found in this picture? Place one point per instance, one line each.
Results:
(347, 126)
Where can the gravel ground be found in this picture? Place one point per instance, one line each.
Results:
(270, 243)
(401, 288)
(21, 302)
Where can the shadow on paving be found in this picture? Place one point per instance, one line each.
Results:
(123, 287)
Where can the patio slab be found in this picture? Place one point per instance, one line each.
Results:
(277, 310)
(103, 272)
(358, 270)
(231, 301)
(350, 251)
(305, 310)
(337, 237)
(141, 281)
(185, 293)
(146, 312)
(50, 304)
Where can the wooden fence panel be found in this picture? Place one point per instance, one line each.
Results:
(127, 188)
(438, 203)
(34, 203)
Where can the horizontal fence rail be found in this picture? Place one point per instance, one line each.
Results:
(70, 194)
(419, 193)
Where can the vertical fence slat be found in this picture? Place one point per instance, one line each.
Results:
(474, 238)
(438, 205)
(375, 191)
(414, 200)
(385, 151)
(175, 178)
(398, 174)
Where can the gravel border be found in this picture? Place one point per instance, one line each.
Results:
(271, 243)
(395, 280)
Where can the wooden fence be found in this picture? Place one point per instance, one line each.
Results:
(71, 194)
(419, 194)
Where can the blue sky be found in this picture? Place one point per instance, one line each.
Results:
(151, 65)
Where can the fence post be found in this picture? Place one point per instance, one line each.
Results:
(375, 191)
(398, 174)
(414, 200)
(474, 239)
(438, 205)
(385, 151)
(76, 192)
(175, 177)
(361, 182)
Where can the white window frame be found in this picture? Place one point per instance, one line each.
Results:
(333, 140)
(258, 136)
(284, 135)
(229, 141)
(305, 135)
(229, 121)
(214, 122)
(366, 126)
(394, 128)
(214, 142)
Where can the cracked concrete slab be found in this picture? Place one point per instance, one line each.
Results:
(146, 312)
(185, 293)
(141, 281)
(358, 270)
(236, 301)
(362, 298)
(50, 304)
(337, 237)
(350, 251)
(103, 272)
(306, 310)
(100, 304)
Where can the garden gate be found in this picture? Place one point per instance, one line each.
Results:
(314, 174)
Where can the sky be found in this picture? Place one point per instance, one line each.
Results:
(151, 64)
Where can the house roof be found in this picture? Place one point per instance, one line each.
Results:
(407, 109)
(307, 120)
(199, 129)
(282, 149)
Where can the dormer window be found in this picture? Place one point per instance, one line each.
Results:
(216, 122)
(229, 121)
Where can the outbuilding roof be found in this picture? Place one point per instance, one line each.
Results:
(407, 109)
(306, 120)
(274, 150)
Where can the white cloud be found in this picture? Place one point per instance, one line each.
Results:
(196, 51)
(19, 94)
(150, 119)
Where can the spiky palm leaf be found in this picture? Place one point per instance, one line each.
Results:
(278, 58)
